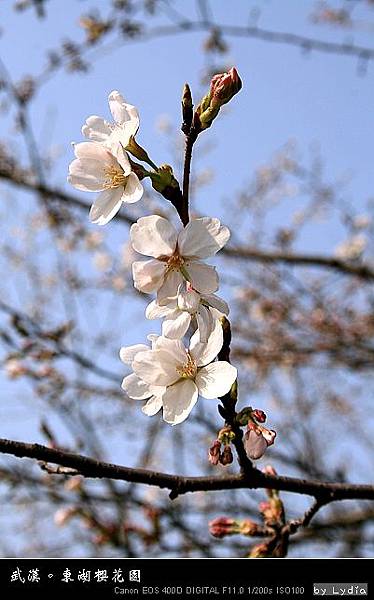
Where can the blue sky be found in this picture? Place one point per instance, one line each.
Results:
(316, 99)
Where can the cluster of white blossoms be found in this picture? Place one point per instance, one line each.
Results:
(102, 164)
(167, 374)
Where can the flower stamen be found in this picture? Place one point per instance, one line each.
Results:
(114, 178)
(175, 262)
(189, 369)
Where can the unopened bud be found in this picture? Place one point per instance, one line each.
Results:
(259, 415)
(187, 112)
(226, 457)
(266, 511)
(222, 526)
(249, 528)
(255, 444)
(223, 87)
(269, 470)
(214, 452)
(269, 435)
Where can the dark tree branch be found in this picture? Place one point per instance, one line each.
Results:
(292, 526)
(299, 260)
(88, 467)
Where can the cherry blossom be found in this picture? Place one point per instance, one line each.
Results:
(125, 126)
(134, 386)
(184, 373)
(257, 439)
(186, 306)
(98, 169)
(176, 257)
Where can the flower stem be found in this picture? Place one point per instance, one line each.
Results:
(184, 212)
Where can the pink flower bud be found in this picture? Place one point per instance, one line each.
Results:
(222, 526)
(269, 470)
(255, 444)
(259, 415)
(249, 527)
(226, 457)
(214, 452)
(223, 87)
(269, 435)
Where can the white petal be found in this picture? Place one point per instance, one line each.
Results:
(133, 190)
(153, 236)
(121, 157)
(205, 323)
(175, 347)
(176, 325)
(136, 388)
(121, 110)
(121, 134)
(202, 238)
(96, 129)
(203, 277)
(153, 405)
(154, 311)
(86, 175)
(94, 151)
(148, 274)
(189, 300)
(204, 353)
(168, 290)
(106, 206)
(215, 380)
(156, 367)
(128, 353)
(216, 302)
(178, 401)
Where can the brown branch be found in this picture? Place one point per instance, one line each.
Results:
(185, 26)
(227, 410)
(299, 260)
(27, 184)
(293, 526)
(92, 468)
(191, 138)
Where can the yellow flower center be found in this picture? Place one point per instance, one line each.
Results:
(189, 369)
(114, 177)
(175, 262)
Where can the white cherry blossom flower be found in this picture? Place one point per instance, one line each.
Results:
(186, 306)
(185, 373)
(98, 169)
(176, 257)
(134, 386)
(125, 126)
